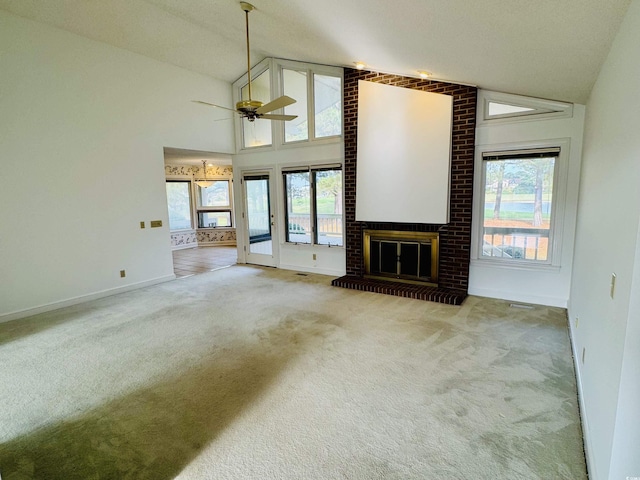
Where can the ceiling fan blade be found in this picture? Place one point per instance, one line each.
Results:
(278, 117)
(213, 105)
(279, 102)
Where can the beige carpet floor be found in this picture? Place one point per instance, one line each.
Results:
(252, 373)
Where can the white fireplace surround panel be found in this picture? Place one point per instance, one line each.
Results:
(404, 154)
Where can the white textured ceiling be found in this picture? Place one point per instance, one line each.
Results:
(543, 48)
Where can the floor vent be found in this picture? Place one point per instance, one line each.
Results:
(302, 274)
(521, 305)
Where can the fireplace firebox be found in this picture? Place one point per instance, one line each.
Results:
(409, 257)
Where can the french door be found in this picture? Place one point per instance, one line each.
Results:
(259, 220)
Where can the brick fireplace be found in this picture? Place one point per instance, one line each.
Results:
(454, 237)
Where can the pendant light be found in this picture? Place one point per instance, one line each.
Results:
(204, 183)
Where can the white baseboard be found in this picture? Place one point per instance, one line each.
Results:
(225, 243)
(591, 467)
(533, 299)
(321, 271)
(28, 312)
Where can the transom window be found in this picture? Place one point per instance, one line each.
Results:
(317, 90)
(257, 133)
(518, 205)
(313, 200)
(326, 105)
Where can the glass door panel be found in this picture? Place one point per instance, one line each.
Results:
(259, 219)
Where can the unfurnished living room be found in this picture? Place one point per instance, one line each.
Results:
(319, 240)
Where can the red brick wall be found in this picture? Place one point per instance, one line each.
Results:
(455, 237)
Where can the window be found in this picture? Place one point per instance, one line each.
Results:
(257, 133)
(327, 105)
(314, 206)
(179, 205)
(317, 91)
(295, 85)
(518, 205)
(497, 107)
(214, 205)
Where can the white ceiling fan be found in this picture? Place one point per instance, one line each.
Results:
(253, 109)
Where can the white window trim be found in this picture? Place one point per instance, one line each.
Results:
(256, 71)
(275, 66)
(282, 186)
(542, 109)
(184, 178)
(312, 69)
(197, 208)
(559, 195)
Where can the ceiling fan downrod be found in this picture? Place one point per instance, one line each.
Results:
(247, 7)
(248, 107)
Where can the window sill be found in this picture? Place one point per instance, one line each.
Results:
(311, 245)
(512, 265)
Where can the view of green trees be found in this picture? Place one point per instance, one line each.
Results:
(328, 192)
(519, 189)
(179, 205)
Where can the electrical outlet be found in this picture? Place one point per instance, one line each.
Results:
(584, 350)
(613, 285)
(314, 256)
(142, 225)
(122, 274)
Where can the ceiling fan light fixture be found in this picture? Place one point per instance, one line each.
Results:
(251, 109)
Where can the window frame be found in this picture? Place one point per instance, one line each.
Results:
(311, 70)
(541, 109)
(557, 220)
(313, 207)
(188, 181)
(274, 66)
(199, 208)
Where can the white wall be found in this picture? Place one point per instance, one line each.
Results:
(548, 286)
(607, 242)
(83, 128)
(329, 260)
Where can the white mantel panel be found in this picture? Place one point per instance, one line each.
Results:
(404, 154)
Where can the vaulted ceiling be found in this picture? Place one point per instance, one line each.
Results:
(544, 48)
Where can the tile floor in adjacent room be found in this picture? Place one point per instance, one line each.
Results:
(191, 261)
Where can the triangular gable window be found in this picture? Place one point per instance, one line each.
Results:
(496, 108)
(507, 107)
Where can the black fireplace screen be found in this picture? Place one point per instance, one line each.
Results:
(401, 259)
(401, 256)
